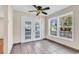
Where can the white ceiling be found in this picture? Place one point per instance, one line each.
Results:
(53, 8)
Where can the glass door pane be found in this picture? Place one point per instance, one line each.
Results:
(27, 30)
(37, 30)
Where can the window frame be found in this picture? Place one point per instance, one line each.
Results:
(50, 26)
(58, 26)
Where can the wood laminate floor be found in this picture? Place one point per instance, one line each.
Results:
(41, 47)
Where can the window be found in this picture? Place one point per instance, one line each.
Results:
(61, 26)
(53, 26)
(66, 26)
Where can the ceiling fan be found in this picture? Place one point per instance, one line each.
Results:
(39, 10)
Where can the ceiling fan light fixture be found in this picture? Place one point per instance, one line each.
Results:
(39, 10)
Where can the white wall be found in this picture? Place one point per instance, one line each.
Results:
(6, 27)
(1, 11)
(1, 21)
(1, 27)
(10, 28)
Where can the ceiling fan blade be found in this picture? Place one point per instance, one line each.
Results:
(47, 8)
(35, 6)
(44, 13)
(33, 11)
(37, 14)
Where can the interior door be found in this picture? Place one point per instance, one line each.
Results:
(37, 30)
(26, 29)
(30, 29)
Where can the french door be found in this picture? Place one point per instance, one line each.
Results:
(30, 29)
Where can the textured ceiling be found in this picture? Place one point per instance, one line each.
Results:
(53, 8)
